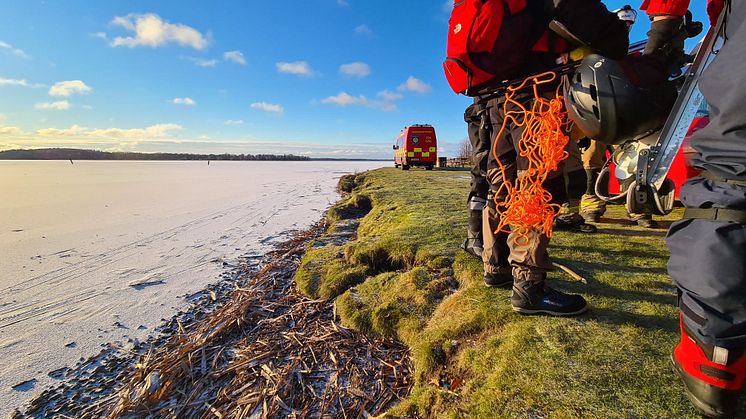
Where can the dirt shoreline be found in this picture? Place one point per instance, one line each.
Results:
(250, 345)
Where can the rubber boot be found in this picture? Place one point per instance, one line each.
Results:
(529, 297)
(643, 220)
(502, 279)
(474, 243)
(712, 376)
(591, 206)
(570, 220)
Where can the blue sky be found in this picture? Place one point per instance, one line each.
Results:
(325, 78)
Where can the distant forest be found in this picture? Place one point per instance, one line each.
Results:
(77, 154)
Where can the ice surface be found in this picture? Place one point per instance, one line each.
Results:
(97, 252)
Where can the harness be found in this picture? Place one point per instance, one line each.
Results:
(718, 214)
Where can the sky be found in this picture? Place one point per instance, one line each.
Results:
(321, 78)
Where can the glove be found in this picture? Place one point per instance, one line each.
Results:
(666, 43)
(692, 27)
(714, 8)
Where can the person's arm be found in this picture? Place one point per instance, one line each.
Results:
(665, 9)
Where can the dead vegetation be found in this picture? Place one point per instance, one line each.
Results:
(268, 352)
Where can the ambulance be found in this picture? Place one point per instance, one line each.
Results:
(416, 146)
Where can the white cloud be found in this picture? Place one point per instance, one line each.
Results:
(15, 51)
(150, 30)
(69, 88)
(356, 69)
(344, 99)
(343, 3)
(414, 85)
(363, 30)
(390, 96)
(267, 107)
(153, 131)
(234, 122)
(87, 107)
(10, 130)
(186, 101)
(157, 131)
(234, 57)
(61, 105)
(201, 62)
(13, 82)
(61, 132)
(300, 68)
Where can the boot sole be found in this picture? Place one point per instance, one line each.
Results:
(549, 312)
(703, 408)
(505, 286)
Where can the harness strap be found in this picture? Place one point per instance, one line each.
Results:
(717, 214)
(709, 176)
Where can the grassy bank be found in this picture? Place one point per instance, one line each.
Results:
(405, 277)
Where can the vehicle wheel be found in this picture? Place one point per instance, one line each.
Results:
(405, 167)
(428, 167)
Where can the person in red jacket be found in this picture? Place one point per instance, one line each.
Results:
(708, 246)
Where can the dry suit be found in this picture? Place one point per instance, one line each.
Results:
(708, 247)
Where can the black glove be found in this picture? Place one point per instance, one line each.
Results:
(692, 27)
(666, 43)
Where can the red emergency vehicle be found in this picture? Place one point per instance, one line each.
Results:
(416, 146)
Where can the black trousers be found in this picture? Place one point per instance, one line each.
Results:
(479, 131)
(708, 258)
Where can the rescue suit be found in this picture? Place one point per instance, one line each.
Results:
(708, 247)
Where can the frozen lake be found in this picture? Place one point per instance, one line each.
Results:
(75, 238)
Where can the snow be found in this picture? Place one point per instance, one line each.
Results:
(99, 251)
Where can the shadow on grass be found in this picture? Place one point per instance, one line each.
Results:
(641, 253)
(620, 318)
(591, 268)
(663, 225)
(633, 233)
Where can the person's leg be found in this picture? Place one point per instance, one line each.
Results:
(479, 136)
(569, 217)
(497, 270)
(708, 247)
(591, 206)
(528, 256)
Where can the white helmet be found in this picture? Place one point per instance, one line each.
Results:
(627, 14)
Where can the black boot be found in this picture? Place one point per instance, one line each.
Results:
(712, 387)
(498, 280)
(530, 297)
(573, 222)
(473, 246)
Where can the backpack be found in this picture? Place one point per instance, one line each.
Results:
(488, 41)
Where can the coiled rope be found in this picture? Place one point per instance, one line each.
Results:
(528, 205)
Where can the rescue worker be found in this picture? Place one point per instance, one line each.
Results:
(708, 247)
(594, 156)
(524, 264)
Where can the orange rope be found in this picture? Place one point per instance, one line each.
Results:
(528, 205)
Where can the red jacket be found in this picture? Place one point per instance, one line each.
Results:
(679, 7)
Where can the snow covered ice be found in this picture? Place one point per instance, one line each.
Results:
(97, 252)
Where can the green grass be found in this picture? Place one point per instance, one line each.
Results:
(404, 276)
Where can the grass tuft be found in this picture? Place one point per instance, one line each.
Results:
(404, 276)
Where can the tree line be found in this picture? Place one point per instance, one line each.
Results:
(78, 154)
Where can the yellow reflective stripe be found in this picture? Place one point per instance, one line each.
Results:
(417, 150)
(432, 149)
(410, 154)
(425, 154)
